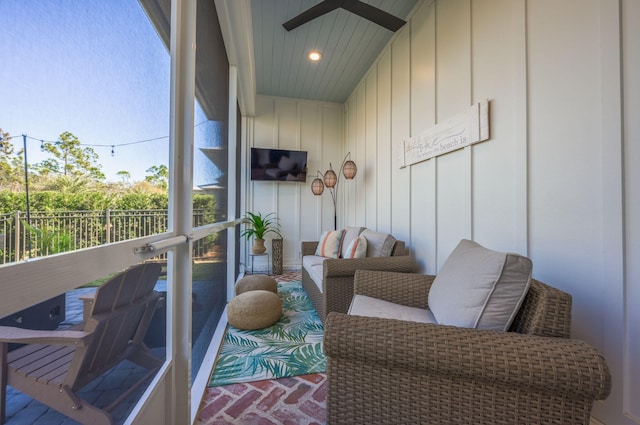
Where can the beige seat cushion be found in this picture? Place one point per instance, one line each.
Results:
(362, 305)
(256, 281)
(313, 265)
(254, 310)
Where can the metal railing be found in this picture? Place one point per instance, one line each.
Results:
(46, 233)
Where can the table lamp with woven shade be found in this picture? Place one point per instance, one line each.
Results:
(330, 179)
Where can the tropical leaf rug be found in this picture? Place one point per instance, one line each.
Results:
(291, 347)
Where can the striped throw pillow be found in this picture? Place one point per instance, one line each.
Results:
(357, 248)
(329, 244)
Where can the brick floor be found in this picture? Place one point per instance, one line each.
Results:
(298, 400)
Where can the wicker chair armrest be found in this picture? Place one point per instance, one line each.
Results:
(553, 365)
(309, 248)
(340, 267)
(410, 289)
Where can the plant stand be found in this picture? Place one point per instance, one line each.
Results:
(253, 259)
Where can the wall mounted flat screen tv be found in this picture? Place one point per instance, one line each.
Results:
(278, 165)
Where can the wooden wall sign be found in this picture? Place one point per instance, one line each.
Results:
(455, 133)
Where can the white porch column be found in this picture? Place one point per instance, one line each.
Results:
(183, 59)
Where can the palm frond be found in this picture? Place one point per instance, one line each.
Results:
(296, 303)
(312, 355)
(308, 358)
(238, 339)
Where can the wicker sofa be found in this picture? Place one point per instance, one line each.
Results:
(335, 291)
(388, 371)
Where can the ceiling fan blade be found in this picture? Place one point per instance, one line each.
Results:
(312, 13)
(373, 14)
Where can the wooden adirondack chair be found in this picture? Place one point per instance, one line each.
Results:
(55, 364)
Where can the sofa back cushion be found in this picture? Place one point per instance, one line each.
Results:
(479, 288)
(350, 233)
(378, 244)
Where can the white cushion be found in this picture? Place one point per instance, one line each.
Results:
(356, 249)
(378, 244)
(312, 261)
(350, 233)
(329, 244)
(313, 265)
(362, 305)
(479, 288)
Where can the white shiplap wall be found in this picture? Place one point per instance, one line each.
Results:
(315, 127)
(627, 289)
(557, 180)
(547, 184)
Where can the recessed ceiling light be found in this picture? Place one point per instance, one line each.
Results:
(315, 56)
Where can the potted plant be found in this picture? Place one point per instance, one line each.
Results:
(257, 226)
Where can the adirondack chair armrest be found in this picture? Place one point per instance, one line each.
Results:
(28, 336)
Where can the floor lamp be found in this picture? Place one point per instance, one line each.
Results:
(330, 179)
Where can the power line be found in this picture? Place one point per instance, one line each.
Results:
(95, 145)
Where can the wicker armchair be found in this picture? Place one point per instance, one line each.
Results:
(387, 371)
(338, 276)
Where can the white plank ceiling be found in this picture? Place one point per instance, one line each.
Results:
(349, 44)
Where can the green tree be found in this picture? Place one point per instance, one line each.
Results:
(159, 176)
(67, 184)
(5, 146)
(70, 159)
(124, 175)
(11, 163)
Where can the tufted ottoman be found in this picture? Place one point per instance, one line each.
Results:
(254, 310)
(253, 282)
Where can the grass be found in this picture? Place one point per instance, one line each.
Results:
(98, 282)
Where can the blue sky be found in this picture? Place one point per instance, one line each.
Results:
(95, 68)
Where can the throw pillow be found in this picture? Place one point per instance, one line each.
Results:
(357, 248)
(350, 233)
(378, 244)
(329, 244)
(479, 288)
